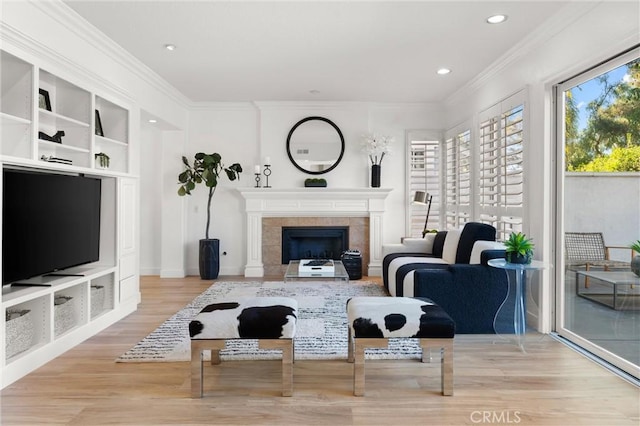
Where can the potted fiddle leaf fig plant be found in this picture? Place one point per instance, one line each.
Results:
(518, 248)
(207, 168)
(635, 262)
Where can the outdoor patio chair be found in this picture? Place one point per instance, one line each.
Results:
(588, 250)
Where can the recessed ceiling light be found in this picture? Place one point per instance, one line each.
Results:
(314, 92)
(170, 46)
(443, 71)
(496, 19)
(153, 120)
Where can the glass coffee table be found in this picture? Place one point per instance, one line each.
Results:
(293, 273)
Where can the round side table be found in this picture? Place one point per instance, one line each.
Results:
(519, 318)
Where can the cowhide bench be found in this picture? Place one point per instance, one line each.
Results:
(373, 320)
(270, 320)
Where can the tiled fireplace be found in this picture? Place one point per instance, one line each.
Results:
(272, 237)
(268, 210)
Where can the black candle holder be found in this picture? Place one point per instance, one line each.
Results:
(257, 180)
(267, 173)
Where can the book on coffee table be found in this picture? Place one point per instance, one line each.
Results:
(316, 266)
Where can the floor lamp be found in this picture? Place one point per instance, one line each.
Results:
(424, 198)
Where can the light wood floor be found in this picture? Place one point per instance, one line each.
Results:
(494, 383)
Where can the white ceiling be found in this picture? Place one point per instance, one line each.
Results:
(382, 51)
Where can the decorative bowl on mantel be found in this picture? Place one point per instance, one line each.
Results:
(315, 183)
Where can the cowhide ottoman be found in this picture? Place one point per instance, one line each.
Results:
(270, 320)
(373, 320)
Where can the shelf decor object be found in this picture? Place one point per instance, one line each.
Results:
(44, 102)
(376, 148)
(375, 175)
(57, 137)
(267, 173)
(102, 160)
(99, 131)
(20, 332)
(315, 183)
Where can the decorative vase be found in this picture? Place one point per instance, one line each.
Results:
(635, 264)
(517, 258)
(375, 176)
(209, 258)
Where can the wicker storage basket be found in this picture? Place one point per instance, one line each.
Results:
(97, 300)
(63, 319)
(20, 332)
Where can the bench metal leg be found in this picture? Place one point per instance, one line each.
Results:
(197, 349)
(446, 361)
(286, 345)
(446, 368)
(358, 367)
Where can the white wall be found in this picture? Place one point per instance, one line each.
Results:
(247, 133)
(150, 199)
(607, 203)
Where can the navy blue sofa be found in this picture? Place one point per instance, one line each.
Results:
(457, 278)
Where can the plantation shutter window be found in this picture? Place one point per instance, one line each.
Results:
(500, 166)
(458, 178)
(424, 175)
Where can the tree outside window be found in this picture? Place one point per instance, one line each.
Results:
(602, 122)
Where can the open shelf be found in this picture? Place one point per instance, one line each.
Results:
(69, 309)
(28, 332)
(91, 123)
(16, 108)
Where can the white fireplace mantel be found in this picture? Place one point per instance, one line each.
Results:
(294, 202)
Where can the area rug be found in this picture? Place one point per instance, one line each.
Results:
(321, 331)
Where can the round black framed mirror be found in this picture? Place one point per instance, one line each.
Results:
(315, 145)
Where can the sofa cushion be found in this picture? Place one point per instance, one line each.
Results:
(438, 244)
(472, 232)
(451, 245)
(480, 246)
(399, 272)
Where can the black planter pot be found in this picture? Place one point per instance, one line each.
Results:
(209, 259)
(375, 176)
(518, 258)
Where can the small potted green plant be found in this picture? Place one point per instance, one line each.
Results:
(519, 248)
(102, 160)
(635, 262)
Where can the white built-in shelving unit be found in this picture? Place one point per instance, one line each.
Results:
(102, 292)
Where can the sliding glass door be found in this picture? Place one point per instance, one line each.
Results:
(598, 296)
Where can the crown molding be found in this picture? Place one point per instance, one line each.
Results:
(333, 105)
(549, 29)
(222, 106)
(296, 105)
(67, 17)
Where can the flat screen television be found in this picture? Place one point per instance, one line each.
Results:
(50, 222)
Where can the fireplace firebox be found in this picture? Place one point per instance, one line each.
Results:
(314, 242)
